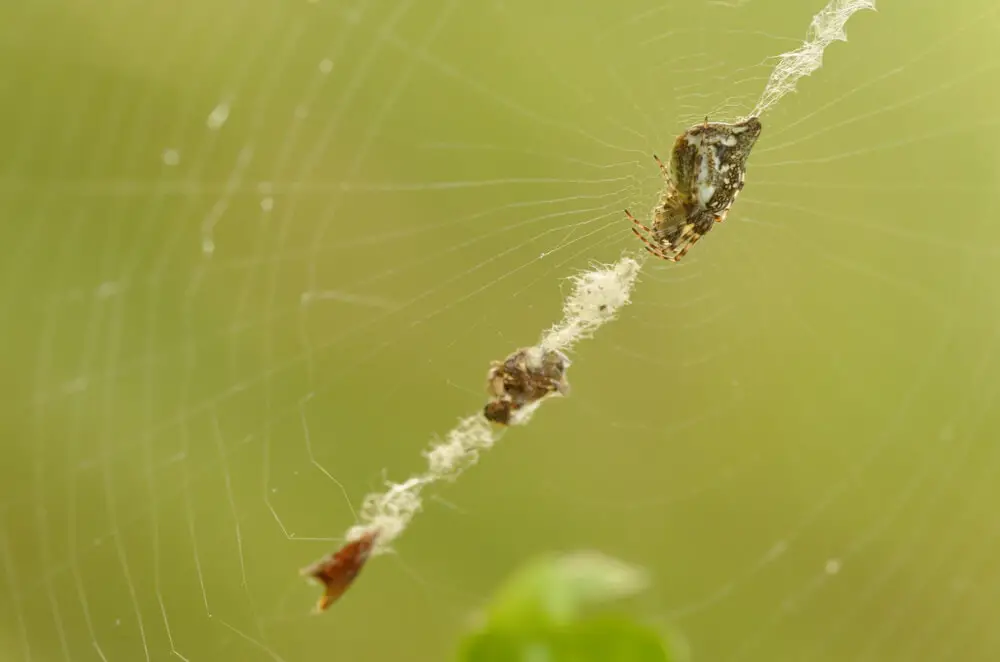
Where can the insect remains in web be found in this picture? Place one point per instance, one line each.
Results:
(337, 572)
(706, 174)
(522, 379)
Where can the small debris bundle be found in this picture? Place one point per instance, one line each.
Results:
(523, 379)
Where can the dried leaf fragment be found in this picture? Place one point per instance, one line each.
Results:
(337, 572)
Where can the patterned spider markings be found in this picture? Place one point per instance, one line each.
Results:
(706, 174)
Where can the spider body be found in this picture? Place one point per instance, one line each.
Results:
(706, 174)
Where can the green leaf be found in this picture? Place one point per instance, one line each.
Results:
(605, 639)
(556, 589)
(541, 615)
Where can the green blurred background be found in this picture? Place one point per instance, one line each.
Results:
(229, 225)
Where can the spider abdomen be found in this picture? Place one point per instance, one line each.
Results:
(706, 173)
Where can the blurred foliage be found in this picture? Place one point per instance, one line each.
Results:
(559, 609)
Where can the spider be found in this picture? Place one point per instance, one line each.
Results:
(524, 377)
(706, 173)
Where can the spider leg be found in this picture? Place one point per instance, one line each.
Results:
(653, 248)
(663, 168)
(687, 247)
(656, 251)
(650, 246)
(636, 222)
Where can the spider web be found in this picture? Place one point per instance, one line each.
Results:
(256, 254)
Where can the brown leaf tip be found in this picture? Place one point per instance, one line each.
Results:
(337, 572)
